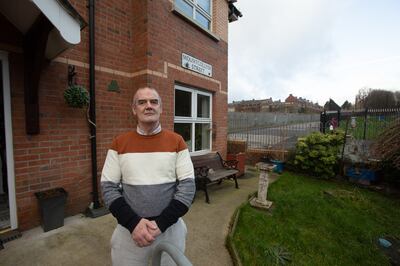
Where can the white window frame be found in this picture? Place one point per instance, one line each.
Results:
(197, 7)
(9, 140)
(193, 120)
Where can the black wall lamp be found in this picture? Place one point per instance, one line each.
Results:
(71, 75)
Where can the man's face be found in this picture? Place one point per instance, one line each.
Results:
(147, 106)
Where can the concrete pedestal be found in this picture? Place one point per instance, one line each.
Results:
(261, 200)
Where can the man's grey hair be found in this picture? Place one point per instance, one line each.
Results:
(134, 98)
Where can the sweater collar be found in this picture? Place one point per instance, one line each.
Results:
(156, 130)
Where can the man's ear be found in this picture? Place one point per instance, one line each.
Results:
(133, 110)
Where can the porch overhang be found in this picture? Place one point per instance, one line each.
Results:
(48, 27)
(66, 21)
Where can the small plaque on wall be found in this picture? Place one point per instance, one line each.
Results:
(113, 86)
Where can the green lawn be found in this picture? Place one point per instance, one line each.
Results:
(337, 227)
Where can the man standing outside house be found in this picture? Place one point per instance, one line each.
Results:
(148, 184)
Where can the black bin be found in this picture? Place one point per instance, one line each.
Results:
(52, 206)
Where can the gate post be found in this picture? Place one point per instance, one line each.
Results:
(365, 122)
(322, 121)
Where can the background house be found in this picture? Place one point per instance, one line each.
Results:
(331, 105)
(291, 104)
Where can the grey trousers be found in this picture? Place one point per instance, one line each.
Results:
(124, 251)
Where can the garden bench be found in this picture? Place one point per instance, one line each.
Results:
(211, 168)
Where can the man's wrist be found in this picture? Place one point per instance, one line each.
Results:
(171, 214)
(131, 225)
(162, 223)
(126, 217)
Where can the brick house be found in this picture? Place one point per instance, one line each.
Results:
(291, 104)
(177, 46)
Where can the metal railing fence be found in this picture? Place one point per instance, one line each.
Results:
(238, 121)
(272, 131)
(364, 124)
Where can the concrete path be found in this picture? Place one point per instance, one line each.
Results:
(85, 241)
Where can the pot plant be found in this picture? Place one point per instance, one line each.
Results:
(76, 96)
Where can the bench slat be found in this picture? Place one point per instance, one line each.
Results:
(219, 174)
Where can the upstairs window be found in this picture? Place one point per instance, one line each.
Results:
(193, 117)
(198, 10)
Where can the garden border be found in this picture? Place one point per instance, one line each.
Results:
(229, 238)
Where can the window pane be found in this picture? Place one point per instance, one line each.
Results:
(183, 103)
(202, 20)
(203, 106)
(185, 130)
(202, 135)
(205, 4)
(184, 7)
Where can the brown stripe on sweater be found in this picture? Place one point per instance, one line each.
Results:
(132, 142)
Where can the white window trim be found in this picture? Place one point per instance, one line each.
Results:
(197, 7)
(193, 120)
(9, 140)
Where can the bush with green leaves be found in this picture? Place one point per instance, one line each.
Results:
(318, 154)
(76, 96)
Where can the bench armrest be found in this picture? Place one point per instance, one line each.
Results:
(231, 164)
(201, 172)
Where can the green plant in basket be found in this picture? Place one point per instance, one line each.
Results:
(76, 96)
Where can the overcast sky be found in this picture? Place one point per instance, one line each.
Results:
(316, 49)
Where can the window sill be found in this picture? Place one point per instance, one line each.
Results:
(194, 23)
(197, 153)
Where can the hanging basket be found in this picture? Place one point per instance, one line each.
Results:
(76, 96)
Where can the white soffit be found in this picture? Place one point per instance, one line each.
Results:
(68, 26)
(66, 21)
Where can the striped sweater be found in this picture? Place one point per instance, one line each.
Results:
(148, 176)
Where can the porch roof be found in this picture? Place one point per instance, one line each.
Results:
(66, 21)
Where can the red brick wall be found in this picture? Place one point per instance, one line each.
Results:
(236, 146)
(60, 154)
(169, 37)
(131, 36)
(254, 156)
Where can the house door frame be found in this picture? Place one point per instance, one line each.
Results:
(9, 140)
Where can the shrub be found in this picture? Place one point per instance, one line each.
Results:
(317, 154)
